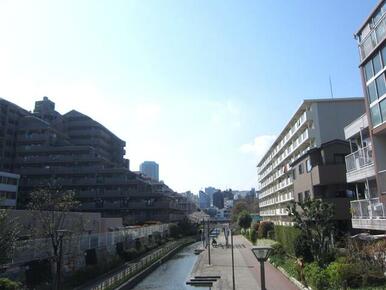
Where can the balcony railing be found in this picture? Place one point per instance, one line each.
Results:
(368, 209)
(359, 159)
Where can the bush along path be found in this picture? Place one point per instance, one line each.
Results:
(130, 271)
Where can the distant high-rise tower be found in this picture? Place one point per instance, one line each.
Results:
(150, 169)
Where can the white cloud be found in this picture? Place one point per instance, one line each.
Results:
(259, 146)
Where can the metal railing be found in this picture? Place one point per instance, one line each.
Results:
(41, 248)
(368, 209)
(134, 268)
(359, 159)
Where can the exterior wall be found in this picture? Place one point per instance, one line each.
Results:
(334, 116)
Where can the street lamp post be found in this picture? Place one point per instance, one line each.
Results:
(262, 254)
(233, 262)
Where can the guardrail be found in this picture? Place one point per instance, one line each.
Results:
(368, 209)
(125, 274)
(359, 159)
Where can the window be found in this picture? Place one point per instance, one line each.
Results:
(372, 91)
(381, 86)
(300, 168)
(300, 197)
(369, 73)
(375, 115)
(308, 165)
(383, 109)
(306, 195)
(377, 63)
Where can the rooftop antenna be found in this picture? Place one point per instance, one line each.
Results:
(331, 91)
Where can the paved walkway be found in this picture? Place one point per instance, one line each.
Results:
(247, 268)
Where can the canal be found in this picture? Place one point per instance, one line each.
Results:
(173, 274)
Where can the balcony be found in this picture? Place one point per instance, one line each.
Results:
(368, 214)
(356, 127)
(360, 165)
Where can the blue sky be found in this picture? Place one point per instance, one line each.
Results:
(201, 87)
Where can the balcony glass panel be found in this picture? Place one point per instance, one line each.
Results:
(372, 92)
(376, 115)
(377, 63)
(381, 85)
(380, 31)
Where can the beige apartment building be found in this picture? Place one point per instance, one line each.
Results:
(315, 122)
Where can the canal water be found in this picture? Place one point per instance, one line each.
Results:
(173, 274)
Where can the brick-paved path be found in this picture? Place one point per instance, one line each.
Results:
(247, 268)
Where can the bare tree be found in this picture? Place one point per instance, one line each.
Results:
(9, 231)
(51, 218)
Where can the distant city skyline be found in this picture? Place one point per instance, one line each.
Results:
(191, 84)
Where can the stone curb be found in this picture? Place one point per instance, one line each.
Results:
(292, 279)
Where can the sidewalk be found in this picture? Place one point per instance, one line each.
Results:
(247, 268)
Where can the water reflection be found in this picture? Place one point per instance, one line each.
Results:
(173, 274)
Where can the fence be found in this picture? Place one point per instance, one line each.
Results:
(134, 268)
(41, 248)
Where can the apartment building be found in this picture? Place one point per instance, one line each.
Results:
(366, 166)
(75, 152)
(320, 173)
(315, 122)
(8, 189)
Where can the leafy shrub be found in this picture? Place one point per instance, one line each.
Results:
(264, 228)
(6, 284)
(174, 231)
(316, 277)
(253, 235)
(255, 226)
(286, 236)
(277, 257)
(342, 275)
(302, 248)
(131, 254)
(244, 220)
(242, 231)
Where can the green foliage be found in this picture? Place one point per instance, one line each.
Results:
(286, 236)
(316, 277)
(342, 274)
(9, 231)
(244, 220)
(174, 231)
(242, 231)
(255, 226)
(315, 218)
(6, 284)
(240, 207)
(252, 235)
(302, 248)
(264, 228)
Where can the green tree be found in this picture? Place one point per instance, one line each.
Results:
(237, 209)
(9, 231)
(315, 219)
(51, 215)
(244, 220)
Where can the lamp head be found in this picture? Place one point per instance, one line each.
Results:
(261, 252)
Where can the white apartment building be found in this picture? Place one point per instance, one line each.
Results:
(9, 183)
(314, 123)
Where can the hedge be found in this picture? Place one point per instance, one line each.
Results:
(286, 236)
